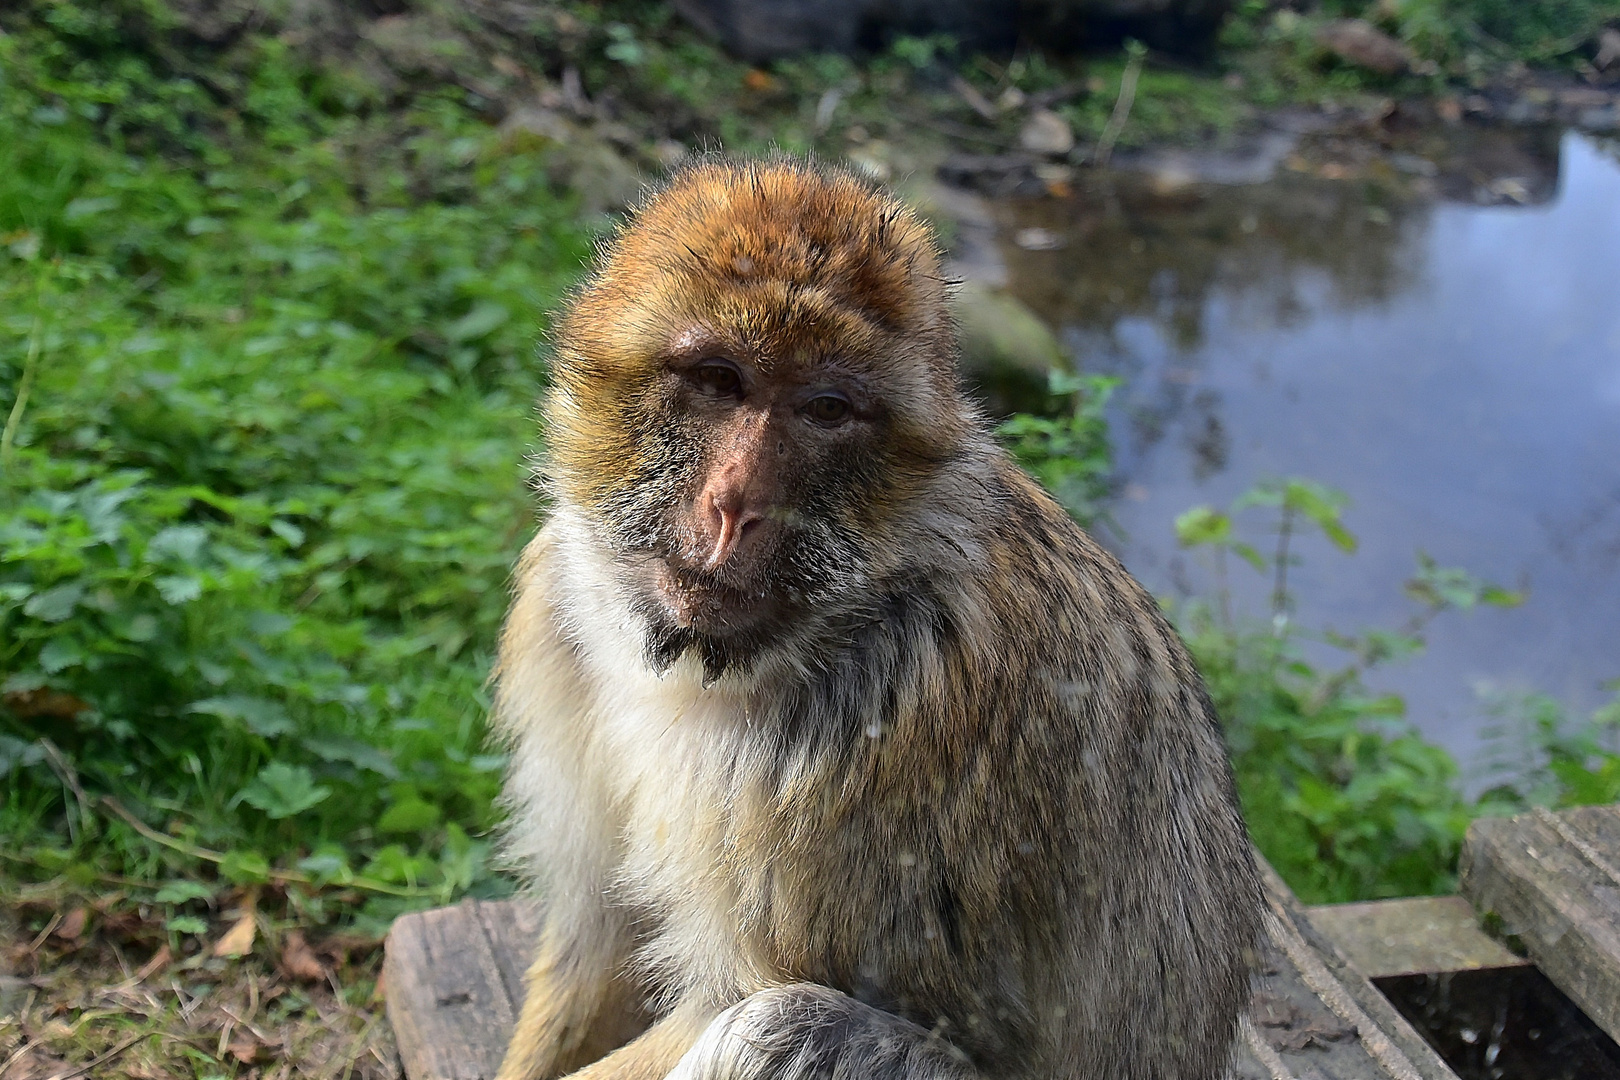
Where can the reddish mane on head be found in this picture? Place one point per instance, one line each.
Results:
(780, 257)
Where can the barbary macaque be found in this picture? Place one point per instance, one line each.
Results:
(837, 748)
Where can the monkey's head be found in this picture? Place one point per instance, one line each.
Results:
(749, 396)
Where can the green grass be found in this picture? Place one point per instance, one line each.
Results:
(268, 354)
(264, 493)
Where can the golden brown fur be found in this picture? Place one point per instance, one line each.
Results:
(914, 781)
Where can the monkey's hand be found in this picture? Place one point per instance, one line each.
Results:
(802, 1031)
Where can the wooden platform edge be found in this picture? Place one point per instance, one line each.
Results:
(1557, 897)
(1387, 1037)
(454, 986)
(1412, 935)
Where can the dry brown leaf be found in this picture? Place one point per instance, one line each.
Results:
(245, 1048)
(298, 960)
(238, 940)
(45, 703)
(71, 928)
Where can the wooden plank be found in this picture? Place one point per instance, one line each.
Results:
(454, 979)
(1419, 934)
(454, 985)
(1302, 970)
(1552, 881)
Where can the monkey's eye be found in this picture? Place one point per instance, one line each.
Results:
(717, 379)
(828, 409)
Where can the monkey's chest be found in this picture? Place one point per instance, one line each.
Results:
(743, 894)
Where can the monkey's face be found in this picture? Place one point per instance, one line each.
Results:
(749, 398)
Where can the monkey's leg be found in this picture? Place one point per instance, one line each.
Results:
(577, 1006)
(802, 1031)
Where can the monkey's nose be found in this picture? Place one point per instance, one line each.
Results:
(732, 523)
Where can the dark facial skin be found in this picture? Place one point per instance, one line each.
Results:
(749, 536)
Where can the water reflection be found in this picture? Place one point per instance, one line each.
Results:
(1438, 336)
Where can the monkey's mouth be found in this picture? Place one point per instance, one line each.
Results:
(691, 611)
(705, 602)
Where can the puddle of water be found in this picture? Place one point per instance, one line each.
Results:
(1453, 367)
(1504, 1024)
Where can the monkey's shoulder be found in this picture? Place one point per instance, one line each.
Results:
(1045, 592)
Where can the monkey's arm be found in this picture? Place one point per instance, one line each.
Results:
(578, 1004)
(803, 1031)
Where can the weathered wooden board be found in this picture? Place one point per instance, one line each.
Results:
(453, 979)
(1306, 970)
(1553, 881)
(454, 983)
(1416, 934)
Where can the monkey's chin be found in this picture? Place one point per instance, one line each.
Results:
(726, 626)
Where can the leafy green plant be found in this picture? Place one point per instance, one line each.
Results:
(261, 482)
(1067, 450)
(1539, 755)
(1342, 795)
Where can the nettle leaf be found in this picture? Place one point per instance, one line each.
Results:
(100, 508)
(187, 924)
(478, 322)
(180, 892)
(18, 754)
(355, 752)
(181, 543)
(138, 628)
(245, 867)
(326, 865)
(267, 719)
(282, 790)
(287, 531)
(1202, 525)
(178, 589)
(59, 654)
(55, 605)
(409, 815)
(394, 864)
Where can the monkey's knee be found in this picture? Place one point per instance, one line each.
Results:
(803, 1031)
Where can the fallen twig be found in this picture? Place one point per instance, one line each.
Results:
(26, 1046)
(84, 1070)
(56, 920)
(278, 876)
(1122, 104)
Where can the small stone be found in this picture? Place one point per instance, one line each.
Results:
(1600, 121)
(1037, 239)
(1358, 42)
(13, 995)
(1045, 132)
(1608, 50)
(1000, 334)
(669, 152)
(869, 162)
